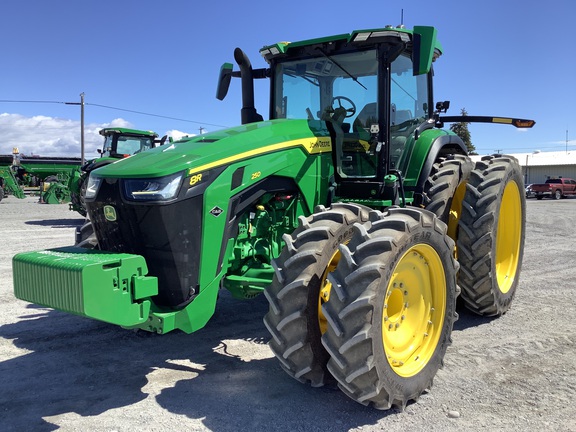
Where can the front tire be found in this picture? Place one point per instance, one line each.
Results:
(77, 198)
(491, 235)
(300, 286)
(86, 237)
(392, 309)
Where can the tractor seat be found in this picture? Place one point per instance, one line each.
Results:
(365, 118)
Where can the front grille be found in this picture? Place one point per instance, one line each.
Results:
(166, 235)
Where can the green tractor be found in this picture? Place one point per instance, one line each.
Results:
(119, 143)
(357, 215)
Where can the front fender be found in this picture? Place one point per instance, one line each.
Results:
(430, 145)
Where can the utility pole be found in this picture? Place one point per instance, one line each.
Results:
(81, 128)
(81, 124)
(566, 141)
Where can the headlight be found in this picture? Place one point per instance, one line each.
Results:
(93, 186)
(154, 189)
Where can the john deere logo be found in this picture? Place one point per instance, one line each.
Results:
(110, 213)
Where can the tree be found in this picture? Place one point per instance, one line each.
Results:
(461, 129)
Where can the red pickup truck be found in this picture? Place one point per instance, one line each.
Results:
(555, 188)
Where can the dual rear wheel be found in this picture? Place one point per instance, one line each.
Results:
(371, 303)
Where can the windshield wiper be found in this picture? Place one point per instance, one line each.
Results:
(340, 66)
(310, 80)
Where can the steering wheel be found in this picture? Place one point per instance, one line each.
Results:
(349, 111)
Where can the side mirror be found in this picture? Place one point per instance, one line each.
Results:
(423, 49)
(224, 81)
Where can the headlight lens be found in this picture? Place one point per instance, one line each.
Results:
(154, 189)
(92, 186)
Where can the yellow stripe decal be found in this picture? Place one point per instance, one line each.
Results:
(364, 144)
(502, 120)
(310, 145)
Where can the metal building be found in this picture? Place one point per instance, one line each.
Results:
(539, 166)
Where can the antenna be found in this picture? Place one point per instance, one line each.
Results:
(402, 17)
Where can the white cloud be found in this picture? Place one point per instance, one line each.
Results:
(176, 134)
(569, 142)
(50, 136)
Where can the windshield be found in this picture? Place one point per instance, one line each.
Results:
(126, 145)
(307, 88)
(343, 89)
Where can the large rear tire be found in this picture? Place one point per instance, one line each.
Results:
(445, 188)
(392, 309)
(300, 286)
(491, 235)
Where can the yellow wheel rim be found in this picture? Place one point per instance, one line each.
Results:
(325, 290)
(456, 210)
(414, 310)
(508, 237)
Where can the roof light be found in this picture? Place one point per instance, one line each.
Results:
(361, 37)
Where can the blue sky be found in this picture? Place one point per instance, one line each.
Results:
(501, 58)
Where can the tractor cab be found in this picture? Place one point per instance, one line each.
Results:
(372, 90)
(121, 142)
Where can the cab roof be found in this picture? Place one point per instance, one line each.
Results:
(432, 48)
(108, 131)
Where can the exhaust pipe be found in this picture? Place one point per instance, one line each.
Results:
(248, 114)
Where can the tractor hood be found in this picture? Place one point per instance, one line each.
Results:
(221, 147)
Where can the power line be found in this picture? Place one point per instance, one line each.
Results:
(113, 108)
(154, 115)
(31, 101)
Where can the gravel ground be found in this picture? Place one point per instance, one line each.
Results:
(58, 371)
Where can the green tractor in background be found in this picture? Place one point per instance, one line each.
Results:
(119, 143)
(63, 179)
(353, 210)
